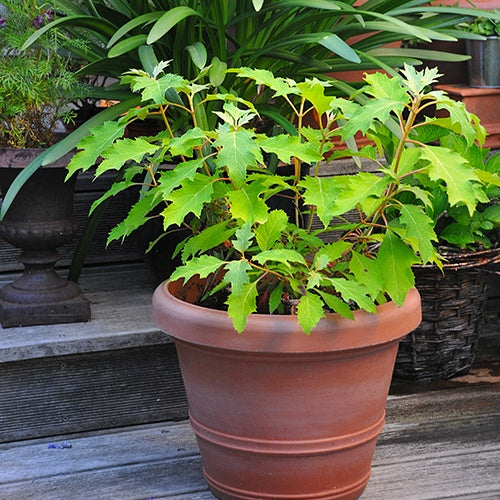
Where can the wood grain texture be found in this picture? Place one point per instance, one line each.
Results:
(436, 445)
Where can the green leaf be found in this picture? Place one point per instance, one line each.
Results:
(190, 199)
(396, 259)
(275, 298)
(202, 266)
(337, 305)
(338, 46)
(268, 233)
(285, 147)
(168, 20)
(329, 253)
(244, 237)
(281, 86)
(241, 305)
(457, 234)
(283, 255)
(184, 145)
(209, 238)
(237, 152)
(309, 311)
(136, 217)
(367, 272)
(383, 87)
(198, 54)
(170, 179)
(217, 72)
(374, 110)
(154, 89)
(322, 192)
(127, 45)
(353, 291)
(246, 204)
(236, 274)
(419, 231)
(124, 150)
(93, 146)
(314, 92)
(454, 171)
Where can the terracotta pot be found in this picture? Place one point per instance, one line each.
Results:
(278, 414)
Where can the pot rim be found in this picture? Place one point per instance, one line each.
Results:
(282, 333)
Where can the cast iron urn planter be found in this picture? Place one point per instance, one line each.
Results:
(39, 221)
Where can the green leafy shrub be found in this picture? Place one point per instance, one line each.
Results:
(260, 258)
(35, 84)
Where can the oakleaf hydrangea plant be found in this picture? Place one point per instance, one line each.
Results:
(259, 258)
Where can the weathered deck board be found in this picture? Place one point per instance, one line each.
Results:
(436, 445)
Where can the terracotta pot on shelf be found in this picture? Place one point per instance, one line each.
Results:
(278, 414)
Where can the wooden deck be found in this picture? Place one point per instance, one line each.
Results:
(441, 440)
(439, 444)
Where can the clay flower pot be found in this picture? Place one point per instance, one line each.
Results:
(279, 414)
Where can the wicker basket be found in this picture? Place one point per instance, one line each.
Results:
(452, 308)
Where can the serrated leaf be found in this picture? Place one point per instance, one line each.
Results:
(246, 204)
(281, 86)
(383, 87)
(170, 179)
(322, 192)
(124, 150)
(241, 305)
(184, 145)
(190, 199)
(236, 274)
(202, 266)
(351, 290)
(270, 231)
(309, 311)
(367, 272)
(285, 147)
(136, 217)
(244, 237)
(209, 238)
(283, 255)
(237, 152)
(374, 110)
(92, 146)
(337, 305)
(329, 253)
(419, 231)
(450, 167)
(314, 92)
(154, 89)
(396, 259)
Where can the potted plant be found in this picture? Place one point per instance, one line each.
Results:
(287, 342)
(454, 297)
(483, 65)
(301, 39)
(34, 91)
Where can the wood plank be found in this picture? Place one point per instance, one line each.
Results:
(436, 445)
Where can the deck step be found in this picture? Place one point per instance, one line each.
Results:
(118, 369)
(440, 444)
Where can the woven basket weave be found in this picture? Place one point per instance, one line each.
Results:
(452, 308)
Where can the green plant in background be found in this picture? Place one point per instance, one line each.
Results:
(482, 26)
(36, 84)
(288, 37)
(260, 258)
